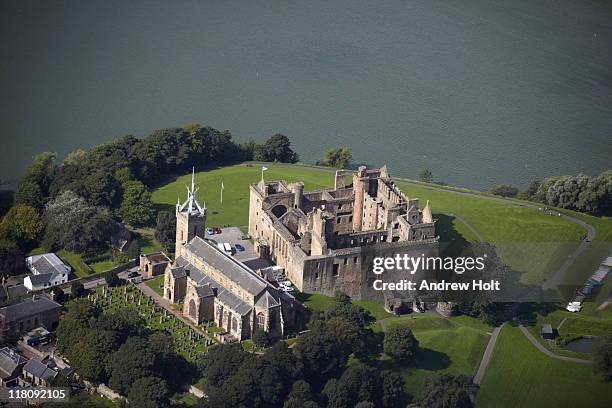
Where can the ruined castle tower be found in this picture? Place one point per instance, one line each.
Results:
(190, 217)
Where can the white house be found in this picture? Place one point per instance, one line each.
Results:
(47, 270)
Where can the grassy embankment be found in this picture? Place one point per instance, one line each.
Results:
(521, 376)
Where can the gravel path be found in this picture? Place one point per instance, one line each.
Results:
(486, 357)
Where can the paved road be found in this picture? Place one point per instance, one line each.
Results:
(546, 351)
(558, 277)
(486, 357)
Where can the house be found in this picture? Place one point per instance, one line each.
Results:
(547, 332)
(27, 314)
(11, 366)
(38, 373)
(47, 270)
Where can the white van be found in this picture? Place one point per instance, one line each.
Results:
(227, 248)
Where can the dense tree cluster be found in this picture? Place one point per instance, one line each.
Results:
(117, 349)
(338, 157)
(449, 391)
(112, 181)
(315, 373)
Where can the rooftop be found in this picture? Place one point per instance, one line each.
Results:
(28, 307)
(236, 271)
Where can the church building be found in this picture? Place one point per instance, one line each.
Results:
(213, 286)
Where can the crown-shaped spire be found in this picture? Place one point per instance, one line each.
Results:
(191, 204)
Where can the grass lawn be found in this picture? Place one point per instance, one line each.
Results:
(189, 399)
(444, 347)
(102, 265)
(321, 303)
(157, 284)
(236, 180)
(506, 225)
(521, 376)
(147, 241)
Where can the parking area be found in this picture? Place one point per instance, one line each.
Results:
(234, 237)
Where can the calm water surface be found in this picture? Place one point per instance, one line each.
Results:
(481, 92)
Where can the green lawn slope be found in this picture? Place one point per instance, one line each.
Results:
(519, 375)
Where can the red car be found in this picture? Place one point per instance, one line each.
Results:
(216, 230)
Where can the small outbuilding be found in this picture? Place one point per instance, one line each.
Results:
(153, 264)
(547, 332)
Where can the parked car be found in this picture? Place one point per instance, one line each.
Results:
(287, 283)
(244, 237)
(239, 248)
(210, 231)
(225, 247)
(133, 274)
(216, 230)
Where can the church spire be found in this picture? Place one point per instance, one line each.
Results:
(191, 204)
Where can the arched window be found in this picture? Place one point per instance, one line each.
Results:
(192, 310)
(234, 324)
(261, 321)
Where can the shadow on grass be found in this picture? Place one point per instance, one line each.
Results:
(452, 242)
(424, 359)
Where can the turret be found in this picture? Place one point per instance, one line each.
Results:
(360, 185)
(190, 217)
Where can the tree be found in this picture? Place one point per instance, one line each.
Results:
(88, 356)
(261, 338)
(112, 279)
(131, 362)
(393, 395)
(338, 157)
(278, 149)
(22, 224)
(33, 187)
(400, 343)
(58, 294)
(136, 208)
(73, 224)
(148, 392)
(324, 349)
(359, 382)
(12, 260)
(77, 290)
(165, 229)
(426, 176)
(220, 362)
(342, 307)
(449, 391)
(504, 190)
(133, 250)
(602, 357)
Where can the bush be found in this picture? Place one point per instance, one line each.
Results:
(261, 338)
(504, 190)
(77, 290)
